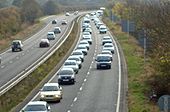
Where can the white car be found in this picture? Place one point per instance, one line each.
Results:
(102, 29)
(99, 24)
(88, 30)
(72, 64)
(78, 53)
(37, 106)
(88, 39)
(110, 47)
(108, 53)
(57, 30)
(17, 45)
(85, 43)
(106, 38)
(77, 59)
(67, 14)
(51, 92)
(64, 22)
(82, 48)
(51, 36)
(44, 43)
(106, 41)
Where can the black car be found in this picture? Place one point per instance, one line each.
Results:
(66, 76)
(54, 22)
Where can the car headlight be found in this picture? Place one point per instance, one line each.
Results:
(57, 95)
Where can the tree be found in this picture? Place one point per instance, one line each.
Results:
(50, 7)
(17, 3)
(31, 10)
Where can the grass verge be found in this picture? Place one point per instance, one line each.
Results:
(19, 92)
(29, 31)
(138, 100)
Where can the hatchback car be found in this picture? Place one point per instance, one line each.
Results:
(102, 29)
(16, 45)
(83, 49)
(37, 106)
(51, 36)
(54, 21)
(88, 30)
(85, 43)
(67, 14)
(72, 64)
(78, 53)
(44, 43)
(77, 59)
(109, 46)
(103, 61)
(64, 22)
(51, 92)
(66, 75)
(106, 41)
(57, 30)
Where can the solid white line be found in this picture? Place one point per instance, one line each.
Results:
(119, 64)
(68, 111)
(88, 73)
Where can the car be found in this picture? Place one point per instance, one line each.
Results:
(77, 59)
(76, 12)
(37, 106)
(103, 61)
(57, 30)
(51, 35)
(88, 39)
(86, 20)
(82, 48)
(17, 45)
(44, 43)
(78, 53)
(54, 21)
(102, 29)
(107, 52)
(71, 64)
(64, 22)
(67, 14)
(109, 46)
(106, 38)
(51, 92)
(66, 75)
(106, 41)
(85, 25)
(88, 30)
(99, 24)
(85, 43)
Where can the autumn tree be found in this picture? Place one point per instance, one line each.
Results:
(31, 10)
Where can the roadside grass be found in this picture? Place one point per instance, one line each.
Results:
(18, 93)
(138, 99)
(22, 35)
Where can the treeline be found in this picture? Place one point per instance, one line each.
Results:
(152, 16)
(23, 12)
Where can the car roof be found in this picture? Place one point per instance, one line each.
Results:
(73, 56)
(37, 103)
(51, 84)
(106, 37)
(82, 41)
(106, 51)
(103, 55)
(44, 40)
(70, 61)
(108, 44)
(16, 41)
(50, 32)
(65, 68)
(78, 51)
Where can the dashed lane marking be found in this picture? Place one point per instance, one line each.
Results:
(75, 99)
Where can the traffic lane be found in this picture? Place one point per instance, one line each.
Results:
(24, 59)
(99, 94)
(71, 91)
(32, 41)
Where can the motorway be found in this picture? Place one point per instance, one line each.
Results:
(94, 90)
(14, 63)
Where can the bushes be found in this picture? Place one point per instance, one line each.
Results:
(10, 22)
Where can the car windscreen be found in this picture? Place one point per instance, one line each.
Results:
(69, 63)
(65, 72)
(77, 59)
(103, 58)
(50, 88)
(108, 45)
(77, 53)
(15, 43)
(35, 108)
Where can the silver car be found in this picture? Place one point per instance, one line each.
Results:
(77, 59)
(71, 64)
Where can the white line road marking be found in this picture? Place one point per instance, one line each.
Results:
(81, 89)
(68, 111)
(23, 54)
(75, 99)
(85, 80)
(17, 57)
(119, 86)
(2, 66)
(10, 62)
(88, 73)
